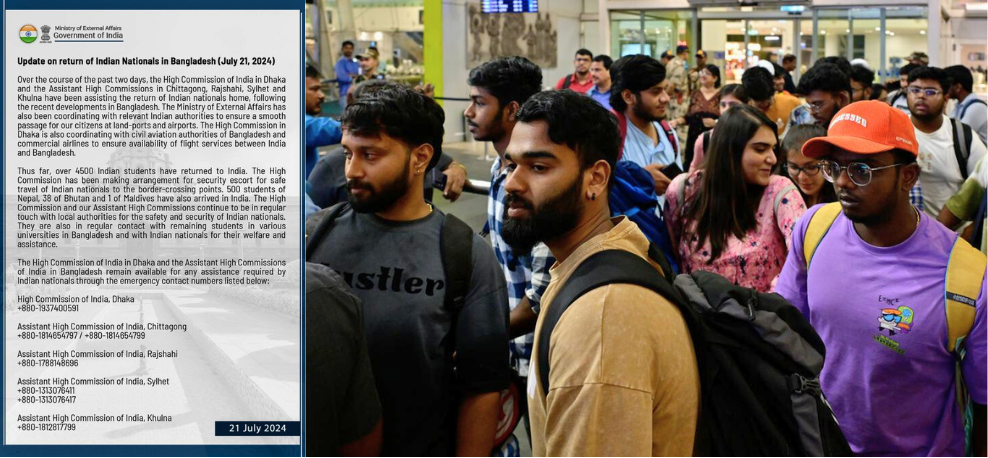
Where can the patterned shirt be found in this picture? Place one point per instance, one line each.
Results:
(754, 261)
(526, 275)
(916, 196)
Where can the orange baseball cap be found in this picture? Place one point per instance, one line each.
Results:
(866, 128)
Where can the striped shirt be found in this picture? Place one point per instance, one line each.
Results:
(526, 275)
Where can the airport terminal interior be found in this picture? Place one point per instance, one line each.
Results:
(434, 44)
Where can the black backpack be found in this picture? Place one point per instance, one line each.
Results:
(963, 136)
(567, 81)
(758, 358)
(456, 245)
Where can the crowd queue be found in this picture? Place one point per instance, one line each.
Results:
(424, 338)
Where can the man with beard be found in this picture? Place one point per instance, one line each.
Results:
(942, 171)
(861, 79)
(439, 369)
(497, 90)
(624, 379)
(875, 292)
(827, 89)
(580, 80)
(639, 96)
(327, 180)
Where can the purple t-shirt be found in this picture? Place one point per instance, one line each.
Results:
(892, 386)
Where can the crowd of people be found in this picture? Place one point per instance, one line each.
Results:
(423, 336)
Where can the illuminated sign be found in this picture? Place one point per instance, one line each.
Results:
(510, 6)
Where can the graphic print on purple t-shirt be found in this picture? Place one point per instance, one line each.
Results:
(881, 313)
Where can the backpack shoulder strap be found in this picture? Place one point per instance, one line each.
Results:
(898, 94)
(965, 273)
(603, 268)
(965, 107)
(670, 134)
(318, 224)
(456, 244)
(819, 225)
(568, 81)
(456, 247)
(962, 145)
(780, 195)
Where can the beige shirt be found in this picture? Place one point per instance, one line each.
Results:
(624, 377)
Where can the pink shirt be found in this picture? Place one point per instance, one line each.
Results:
(754, 261)
(698, 153)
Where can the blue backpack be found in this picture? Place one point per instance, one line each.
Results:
(633, 195)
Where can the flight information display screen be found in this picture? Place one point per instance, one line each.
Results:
(510, 6)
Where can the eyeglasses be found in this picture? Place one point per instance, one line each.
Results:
(817, 105)
(810, 170)
(859, 173)
(927, 92)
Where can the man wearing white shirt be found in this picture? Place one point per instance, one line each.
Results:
(940, 169)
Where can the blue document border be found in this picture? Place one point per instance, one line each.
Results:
(164, 450)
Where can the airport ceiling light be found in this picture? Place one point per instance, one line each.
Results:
(976, 6)
(922, 32)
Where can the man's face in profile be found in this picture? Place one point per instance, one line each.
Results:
(313, 96)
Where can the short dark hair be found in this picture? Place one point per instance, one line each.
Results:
(876, 91)
(779, 71)
(908, 68)
(605, 60)
(824, 77)
(758, 84)
(735, 90)
(312, 72)
(961, 75)
(635, 73)
(682, 48)
(841, 62)
(508, 79)
(402, 113)
(862, 74)
(370, 86)
(932, 73)
(715, 71)
(347, 42)
(578, 122)
(788, 58)
(583, 52)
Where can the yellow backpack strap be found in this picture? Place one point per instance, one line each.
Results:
(965, 273)
(819, 224)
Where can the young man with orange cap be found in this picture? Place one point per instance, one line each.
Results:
(879, 289)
